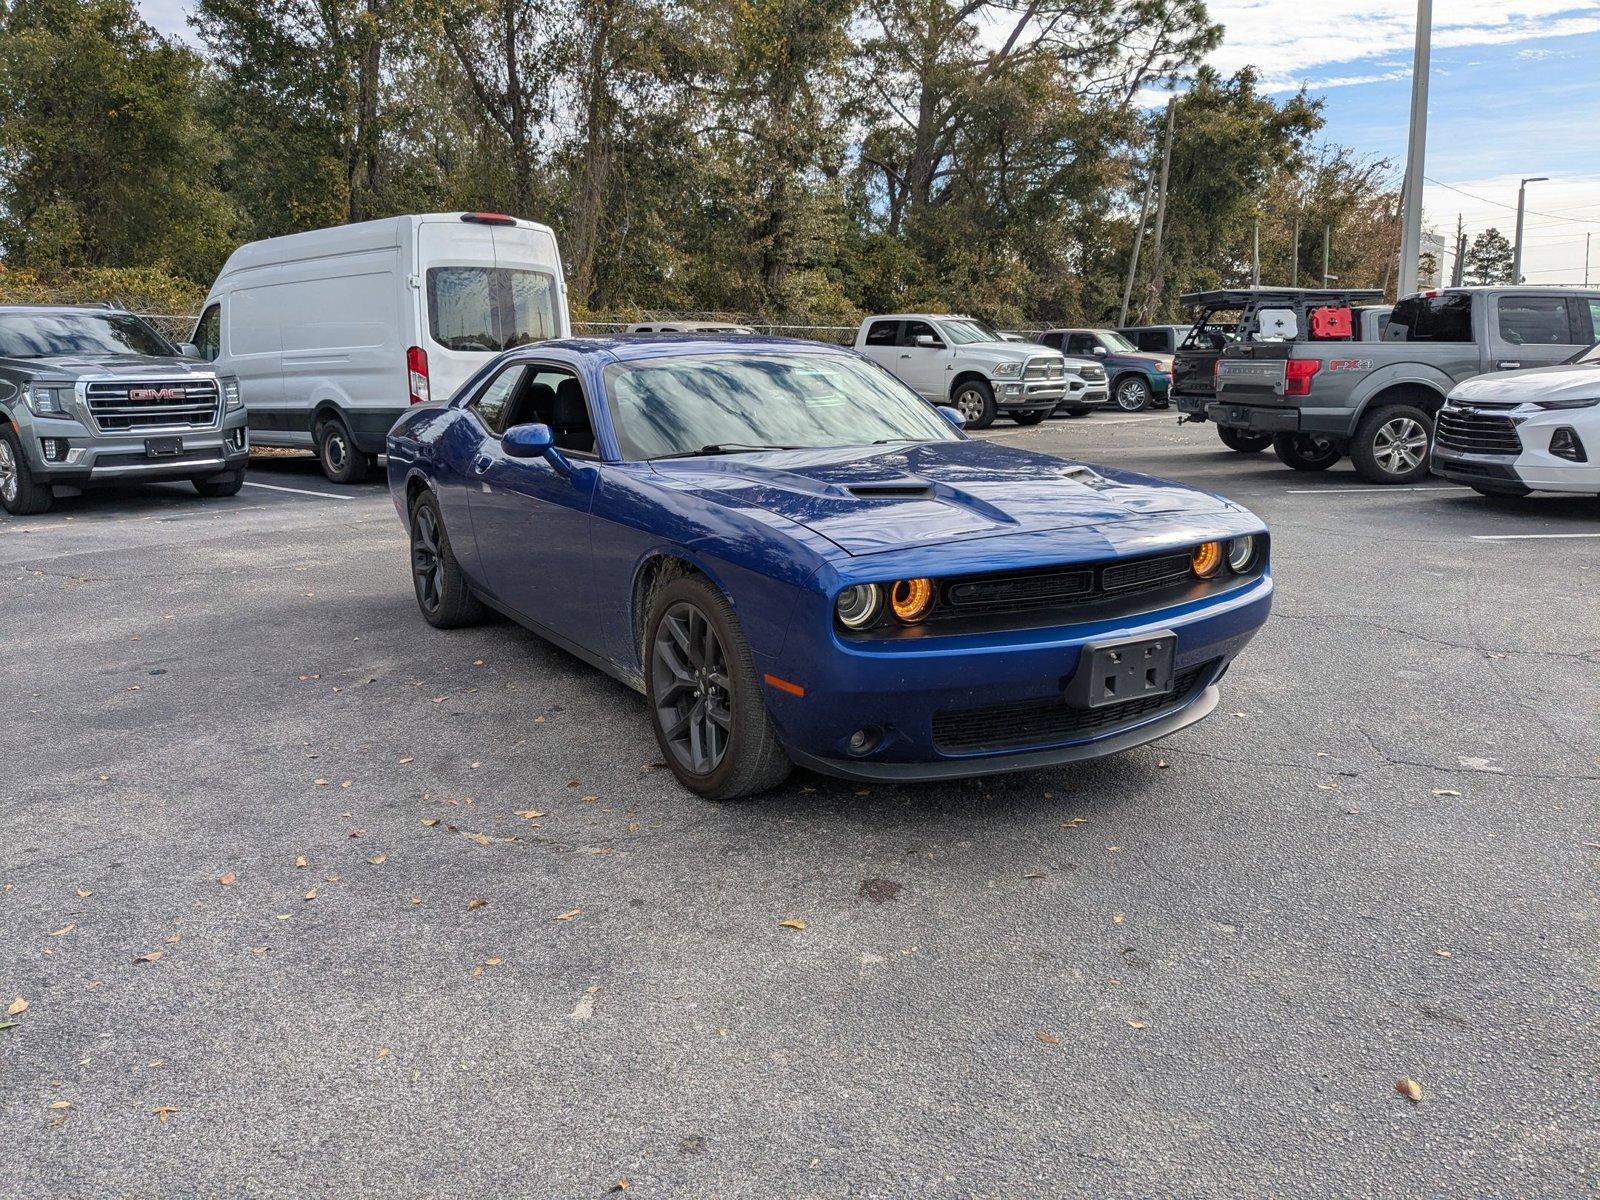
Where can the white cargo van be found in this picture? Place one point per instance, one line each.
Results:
(332, 333)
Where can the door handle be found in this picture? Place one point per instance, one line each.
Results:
(483, 463)
(1508, 366)
(905, 356)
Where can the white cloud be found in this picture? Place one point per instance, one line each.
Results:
(1559, 213)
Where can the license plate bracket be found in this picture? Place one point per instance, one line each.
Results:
(1119, 671)
(163, 447)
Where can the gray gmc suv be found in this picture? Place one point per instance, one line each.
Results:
(92, 396)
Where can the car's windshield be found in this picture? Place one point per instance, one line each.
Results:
(683, 405)
(967, 331)
(48, 334)
(1116, 341)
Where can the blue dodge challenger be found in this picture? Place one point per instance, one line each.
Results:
(797, 560)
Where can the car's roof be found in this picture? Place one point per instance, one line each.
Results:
(920, 316)
(627, 347)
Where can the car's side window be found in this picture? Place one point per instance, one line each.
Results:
(494, 401)
(1081, 343)
(208, 333)
(915, 329)
(883, 333)
(1534, 320)
(1051, 339)
(1586, 320)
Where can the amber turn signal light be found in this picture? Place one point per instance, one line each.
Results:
(911, 599)
(1206, 559)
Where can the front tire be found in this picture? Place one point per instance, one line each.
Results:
(21, 494)
(704, 694)
(1242, 441)
(1391, 444)
(1306, 451)
(1132, 393)
(444, 597)
(974, 400)
(341, 461)
(1030, 418)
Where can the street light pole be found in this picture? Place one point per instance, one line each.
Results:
(1516, 252)
(1411, 229)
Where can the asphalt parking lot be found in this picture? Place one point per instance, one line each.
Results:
(307, 898)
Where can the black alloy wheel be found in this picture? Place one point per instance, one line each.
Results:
(692, 689)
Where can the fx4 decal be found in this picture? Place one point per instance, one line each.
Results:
(1349, 364)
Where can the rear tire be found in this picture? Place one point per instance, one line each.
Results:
(1030, 418)
(444, 597)
(341, 461)
(21, 494)
(706, 705)
(974, 400)
(220, 485)
(1242, 441)
(1391, 444)
(1306, 451)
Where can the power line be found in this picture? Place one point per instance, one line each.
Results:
(1498, 204)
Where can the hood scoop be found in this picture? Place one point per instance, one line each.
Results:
(892, 489)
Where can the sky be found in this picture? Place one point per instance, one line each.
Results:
(1512, 94)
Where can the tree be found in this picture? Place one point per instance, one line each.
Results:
(104, 160)
(1490, 258)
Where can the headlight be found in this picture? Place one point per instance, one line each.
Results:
(1242, 554)
(48, 401)
(1206, 559)
(911, 599)
(1561, 405)
(1008, 370)
(230, 395)
(859, 606)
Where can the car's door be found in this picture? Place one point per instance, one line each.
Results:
(882, 344)
(1532, 331)
(920, 364)
(531, 516)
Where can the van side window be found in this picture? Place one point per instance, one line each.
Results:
(883, 333)
(208, 333)
(1446, 318)
(1534, 320)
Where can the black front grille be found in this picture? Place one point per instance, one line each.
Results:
(1476, 433)
(153, 404)
(1052, 587)
(1024, 723)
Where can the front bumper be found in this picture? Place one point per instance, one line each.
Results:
(1535, 469)
(1085, 397)
(1028, 395)
(898, 687)
(81, 457)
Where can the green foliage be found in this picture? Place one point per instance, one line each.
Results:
(138, 289)
(104, 160)
(1490, 258)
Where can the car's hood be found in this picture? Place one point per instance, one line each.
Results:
(1141, 356)
(75, 365)
(1578, 381)
(1007, 350)
(871, 499)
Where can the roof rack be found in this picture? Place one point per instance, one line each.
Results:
(1240, 297)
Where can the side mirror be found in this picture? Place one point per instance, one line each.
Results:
(928, 340)
(528, 441)
(188, 350)
(953, 415)
(1101, 351)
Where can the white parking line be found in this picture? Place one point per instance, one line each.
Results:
(1361, 491)
(1528, 537)
(272, 487)
(1139, 420)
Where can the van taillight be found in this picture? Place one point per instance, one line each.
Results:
(488, 219)
(417, 374)
(1297, 373)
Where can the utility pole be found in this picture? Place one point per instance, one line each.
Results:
(1255, 253)
(1586, 260)
(1516, 250)
(1411, 230)
(1138, 241)
(1458, 272)
(1294, 269)
(1327, 247)
(1156, 280)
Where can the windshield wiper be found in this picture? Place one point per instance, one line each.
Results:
(722, 448)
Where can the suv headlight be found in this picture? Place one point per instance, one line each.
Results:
(1008, 370)
(230, 395)
(49, 400)
(1562, 405)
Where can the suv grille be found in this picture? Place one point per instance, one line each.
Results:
(153, 404)
(1476, 433)
(1026, 723)
(1045, 368)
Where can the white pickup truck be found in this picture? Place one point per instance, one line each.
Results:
(961, 362)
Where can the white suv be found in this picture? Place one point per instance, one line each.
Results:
(961, 362)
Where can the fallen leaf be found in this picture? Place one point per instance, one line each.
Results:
(1410, 1089)
(588, 799)
(1117, 918)
(320, 782)
(482, 839)
(9, 1024)
(1162, 763)
(1033, 874)
(493, 962)
(226, 880)
(1136, 1025)
(476, 902)
(1442, 953)
(165, 1111)
(258, 951)
(1445, 792)
(311, 894)
(84, 893)
(174, 939)
(620, 1185)
(65, 929)
(430, 821)
(1049, 1039)
(792, 923)
(152, 956)
(530, 814)
(383, 1052)
(17, 1007)
(59, 1104)
(569, 914)
(407, 759)
(300, 861)
(1074, 823)
(378, 860)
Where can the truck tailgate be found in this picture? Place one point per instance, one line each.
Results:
(1253, 373)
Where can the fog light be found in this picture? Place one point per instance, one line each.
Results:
(1565, 443)
(54, 449)
(911, 599)
(863, 741)
(1206, 559)
(240, 438)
